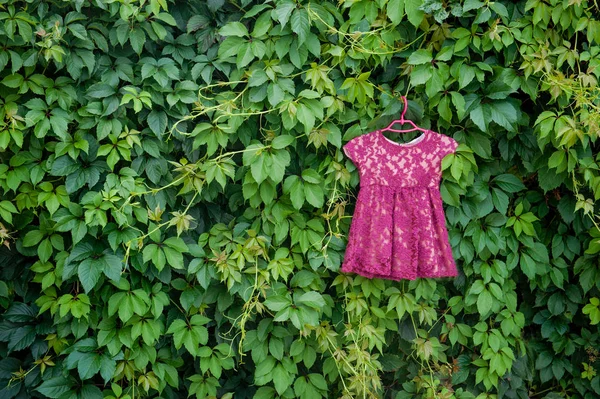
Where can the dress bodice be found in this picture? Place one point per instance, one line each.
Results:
(384, 162)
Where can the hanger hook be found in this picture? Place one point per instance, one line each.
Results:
(405, 102)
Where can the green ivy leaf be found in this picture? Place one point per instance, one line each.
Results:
(395, 11)
(421, 56)
(312, 299)
(88, 365)
(413, 12)
(89, 272)
(112, 266)
(284, 10)
(314, 195)
(528, 266)
(300, 24)
(32, 238)
(481, 117)
(157, 121)
(281, 142)
(55, 387)
(234, 29)
(484, 302)
(281, 379)
(509, 183)
(21, 338)
(137, 38)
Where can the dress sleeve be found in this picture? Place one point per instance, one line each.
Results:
(354, 150)
(447, 145)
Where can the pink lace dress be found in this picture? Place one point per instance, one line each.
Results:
(398, 229)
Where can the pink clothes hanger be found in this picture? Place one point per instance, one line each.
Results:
(403, 121)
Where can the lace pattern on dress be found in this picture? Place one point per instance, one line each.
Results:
(398, 229)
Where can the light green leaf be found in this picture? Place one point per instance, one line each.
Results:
(312, 299)
(275, 94)
(177, 244)
(395, 10)
(414, 14)
(173, 258)
(137, 38)
(234, 29)
(281, 379)
(300, 24)
(528, 266)
(284, 11)
(282, 141)
(32, 238)
(466, 74)
(459, 103)
(484, 302)
(314, 195)
(421, 56)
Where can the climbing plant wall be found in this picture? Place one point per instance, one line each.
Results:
(175, 202)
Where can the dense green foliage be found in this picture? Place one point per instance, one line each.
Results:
(174, 201)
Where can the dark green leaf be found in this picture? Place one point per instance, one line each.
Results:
(509, 183)
(54, 387)
(89, 272)
(157, 121)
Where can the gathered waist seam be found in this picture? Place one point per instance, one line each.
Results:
(398, 187)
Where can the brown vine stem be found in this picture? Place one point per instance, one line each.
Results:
(438, 320)
(544, 391)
